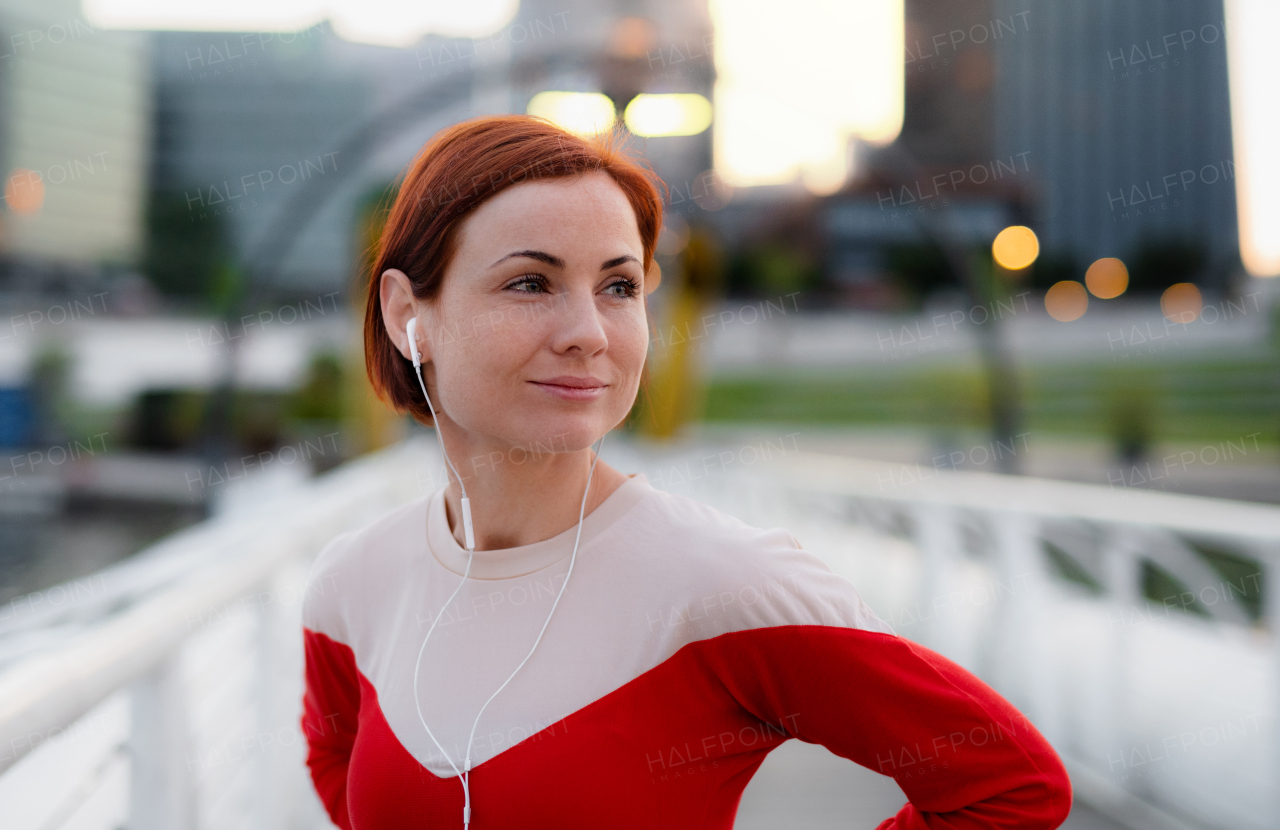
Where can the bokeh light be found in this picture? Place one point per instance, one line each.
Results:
(670, 114)
(24, 191)
(1107, 278)
(632, 38)
(584, 113)
(674, 235)
(1016, 247)
(1181, 302)
(710, 191)
(1066, 301)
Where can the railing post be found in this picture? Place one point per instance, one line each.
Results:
(1026, 663)
(279, 690)
(162, 794)
(1271, 598)
(266, 792)
(1124, 602)
(937, 537)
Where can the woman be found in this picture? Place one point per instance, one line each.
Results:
(630, 668)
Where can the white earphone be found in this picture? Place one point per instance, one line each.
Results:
(468, 532)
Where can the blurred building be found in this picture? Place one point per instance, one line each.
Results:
(249, 126)
(243, 121)
(1122, 108)
(75, 121)
(949, 66)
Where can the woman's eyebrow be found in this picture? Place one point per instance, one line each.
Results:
(541, 256)
(557, 262)
(613, 263)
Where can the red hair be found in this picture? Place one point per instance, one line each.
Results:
(460, 168)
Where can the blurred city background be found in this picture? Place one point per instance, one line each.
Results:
(920, 238)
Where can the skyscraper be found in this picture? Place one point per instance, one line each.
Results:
(1122, 106)
(75, 109)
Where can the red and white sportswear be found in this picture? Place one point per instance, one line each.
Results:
(685, 648)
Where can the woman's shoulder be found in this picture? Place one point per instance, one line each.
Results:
(698, 535)
(753, 576)
(358, 564)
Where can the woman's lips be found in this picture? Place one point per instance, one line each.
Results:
(572, 388)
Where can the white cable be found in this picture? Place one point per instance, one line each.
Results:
(465, 774)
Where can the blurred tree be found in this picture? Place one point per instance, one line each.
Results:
(225, 289)
(783, 270)
(320, 398)
(226, 293)
(988, 285)
(258, 420)
(772, 268)
(917, 270)
(1132, 423)
(166, 420)
(172, 420)
(317, 409)
(48, 393)
(184, 248)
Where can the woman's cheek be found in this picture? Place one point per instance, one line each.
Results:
(631, 332)
(637, 350)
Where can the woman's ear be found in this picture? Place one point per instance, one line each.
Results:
(652, 277)
(398, 307)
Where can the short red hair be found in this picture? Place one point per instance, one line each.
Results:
(460, 168)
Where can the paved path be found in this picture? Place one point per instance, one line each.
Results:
(805, 787)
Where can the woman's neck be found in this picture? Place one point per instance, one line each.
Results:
(515, 504)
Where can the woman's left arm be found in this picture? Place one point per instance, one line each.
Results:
(813, 657)
(964, 756)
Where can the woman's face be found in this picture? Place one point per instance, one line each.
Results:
(538, 334)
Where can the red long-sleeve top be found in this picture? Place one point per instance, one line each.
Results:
(687, 645)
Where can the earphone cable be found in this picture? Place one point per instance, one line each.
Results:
(465, 774)
(466, 791)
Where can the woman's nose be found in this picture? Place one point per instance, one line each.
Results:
(578, 324)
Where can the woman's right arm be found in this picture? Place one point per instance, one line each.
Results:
(330, 708)
(331, 700)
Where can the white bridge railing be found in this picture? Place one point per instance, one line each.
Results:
(165, 692)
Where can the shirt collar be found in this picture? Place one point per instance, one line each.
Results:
(505, 563)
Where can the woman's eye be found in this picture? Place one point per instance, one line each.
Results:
(622, 288)
(528, 285)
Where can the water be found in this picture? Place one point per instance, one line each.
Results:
(40, 550)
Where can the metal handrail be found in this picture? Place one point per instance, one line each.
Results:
(47, 692)
(1046, 498)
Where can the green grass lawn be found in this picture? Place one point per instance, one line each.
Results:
(1167, 400)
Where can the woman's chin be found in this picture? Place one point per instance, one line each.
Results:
(560, 434)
